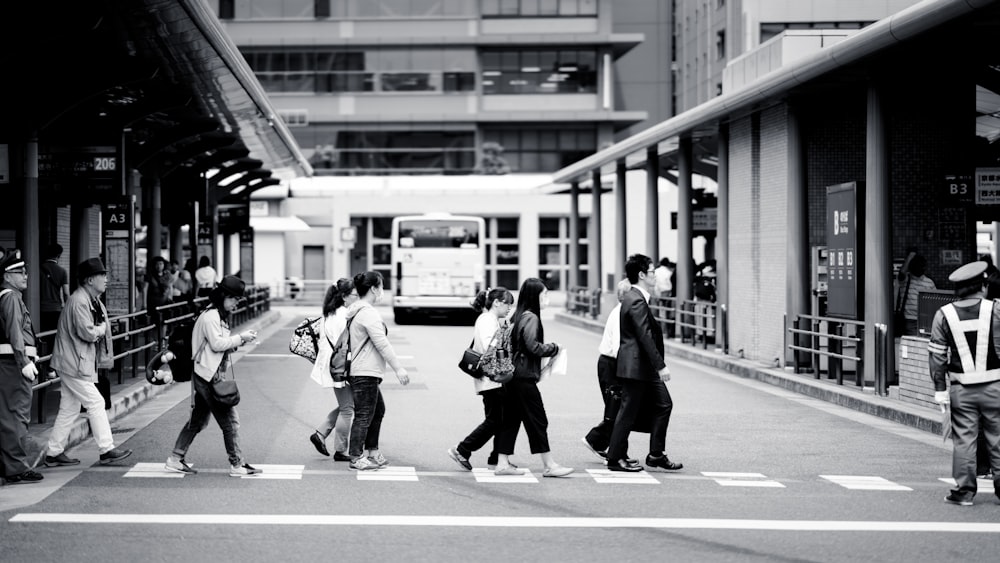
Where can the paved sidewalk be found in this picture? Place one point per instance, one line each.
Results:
(847, 396)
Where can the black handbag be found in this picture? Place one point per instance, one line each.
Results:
(470, 361)
(225, 391)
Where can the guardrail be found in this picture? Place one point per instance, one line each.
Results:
(136, 337)
(583, 301)
(814, 338)
(698, 321)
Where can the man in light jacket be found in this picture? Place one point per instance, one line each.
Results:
(82, 346)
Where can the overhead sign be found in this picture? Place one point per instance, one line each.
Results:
(987, 186)
(702, 220)
(88, 162)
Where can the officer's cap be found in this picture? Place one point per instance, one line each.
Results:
(969, 274)
(11, 260)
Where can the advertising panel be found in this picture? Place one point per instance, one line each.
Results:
(845, 243)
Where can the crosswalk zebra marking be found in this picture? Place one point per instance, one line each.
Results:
(737, 479)
(390, 473)
(608, 476)
(986, 484)
(487, 476)
(865, 482)
(268, 471)
(152, 470)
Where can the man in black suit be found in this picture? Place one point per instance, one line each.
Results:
(641, 372)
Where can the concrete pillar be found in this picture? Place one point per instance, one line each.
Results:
(573, 276)
(722, 234)
(26, 162)
(652, 204)
(596, 255)
(685, 222)
(877, 234)
(79, 226)
(154, 230)
(621, 233)
(797, 227)
(177, 244)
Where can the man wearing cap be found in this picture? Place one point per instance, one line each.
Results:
(971, 363)
(17, 371)
(83, 345)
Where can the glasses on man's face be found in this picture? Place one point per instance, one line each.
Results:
(650, 272)
(22, 272)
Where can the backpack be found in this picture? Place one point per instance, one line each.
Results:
(305, 338)
(496, 363)
(340, 360)
(179, 342)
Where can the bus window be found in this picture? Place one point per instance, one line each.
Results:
(438, 234)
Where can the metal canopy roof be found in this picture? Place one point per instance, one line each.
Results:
(874, 38)
(162, 73)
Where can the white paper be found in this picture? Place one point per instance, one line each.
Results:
(554, 365)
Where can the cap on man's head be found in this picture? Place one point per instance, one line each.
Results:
(11, 261)
(90, 267)
(970, 274)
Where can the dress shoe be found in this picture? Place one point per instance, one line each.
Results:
(663, 462)
(340, 456)
(28, 476)
(319, 444)
(603, 454)
(622, 465)
(113, 455)
(60, 460)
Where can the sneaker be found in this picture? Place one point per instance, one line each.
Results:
(557, 471)
(113, 455)
(509, 470)
(459, 459)
(378, 459)
(603, 454)
(28, 476)
(340, 456)
(493, 466)
(959, 499)
(364, 464)
(243, 470)
(179, 466)
(60, 460)
(317, 441)
(663, 462)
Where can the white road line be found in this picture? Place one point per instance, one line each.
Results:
(867, 483)
(152, 470)
(391, 473)
(510, 522)
(608, 476)
(735, 479)
(256, 355)
(487, 476)
(985, 484)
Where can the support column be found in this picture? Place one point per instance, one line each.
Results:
(685, 223)
(877, 234)
(79, 226)
(596, 255)
(177, 244)
(652, 204)
(797, 227)
(722, 236)
(29, 243)
(154, 230)
(573, 276)
(621, 233)
(226, 267)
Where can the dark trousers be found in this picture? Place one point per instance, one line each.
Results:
(493, 400)
(369, 409)
(203, 405)
(523, 405)
(634, 392)
(599, 436)
(972, 406)
(15, 411)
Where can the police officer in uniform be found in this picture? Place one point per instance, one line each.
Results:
(17, 371)
(963, 350)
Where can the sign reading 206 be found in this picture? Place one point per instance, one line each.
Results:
(105, 164)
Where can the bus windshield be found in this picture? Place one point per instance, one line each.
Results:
(438, 234)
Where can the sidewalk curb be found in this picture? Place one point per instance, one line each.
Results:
(845, 396)
(132, 397)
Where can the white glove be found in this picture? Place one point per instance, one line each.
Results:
(30, 371)
(942, 398)
(665, 374)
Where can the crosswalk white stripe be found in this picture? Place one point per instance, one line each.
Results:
(152, 470)
(608, 476)
(865, 482)
(510, 522)
(487, 476)
(735, 479)
(391, 473)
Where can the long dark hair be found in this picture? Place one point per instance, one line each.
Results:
(365, 281)
(217, 299)
(484, 299)
(528, 298)
(336, 294)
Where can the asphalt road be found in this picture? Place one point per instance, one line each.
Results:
(768, 476)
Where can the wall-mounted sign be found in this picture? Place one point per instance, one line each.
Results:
(702, 220)
(119, 249)
(987, 186)
(959, 189)
(845, 243)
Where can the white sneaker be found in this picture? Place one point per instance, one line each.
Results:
(179, 466)
(243, 470)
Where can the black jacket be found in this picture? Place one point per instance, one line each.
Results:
(529, 347)
(640, 355)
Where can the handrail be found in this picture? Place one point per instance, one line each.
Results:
(809, 341)
(584, 301)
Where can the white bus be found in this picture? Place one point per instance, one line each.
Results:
(438, 264)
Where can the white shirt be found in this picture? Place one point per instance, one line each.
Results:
(663, 279)
(486, 326)
(645, 294)
(612, 333)
(205, 276)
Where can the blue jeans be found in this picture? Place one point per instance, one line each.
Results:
(369, 409)
(205, 405)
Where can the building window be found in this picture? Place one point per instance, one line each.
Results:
(321, 9)
(771, 29)
(719, 4)
(542, 150)
(553, 251)
(553, 71)
(371, 70)
(720, 45)
(227, 10)
(503, 252)
(538, 8)
(294, 117)
(395, 152)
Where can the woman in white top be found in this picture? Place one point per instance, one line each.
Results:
(339, 297)
(494, 306)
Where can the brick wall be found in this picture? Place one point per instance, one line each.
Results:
(744, 212)
(773, 233)
(915, 385)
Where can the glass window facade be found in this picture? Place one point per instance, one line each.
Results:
(286, 9)
(503, 252)
(553, 251)
(538, 8)
(341, 151)
(530, 71)
(542, 150)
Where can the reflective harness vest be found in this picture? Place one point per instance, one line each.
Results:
(974, 369)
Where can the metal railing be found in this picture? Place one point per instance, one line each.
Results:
(138, 336)
(583, 301)
(818, 339)
(698, 321)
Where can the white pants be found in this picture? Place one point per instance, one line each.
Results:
(76, 392)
